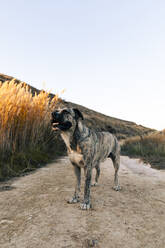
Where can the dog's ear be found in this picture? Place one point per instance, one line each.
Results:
(78, 114)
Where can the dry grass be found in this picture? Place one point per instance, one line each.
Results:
(24, 124)
(150, 148)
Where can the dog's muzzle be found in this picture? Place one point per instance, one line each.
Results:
(61, 126)
(58, 123)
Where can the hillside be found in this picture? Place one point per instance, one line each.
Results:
(98, 121)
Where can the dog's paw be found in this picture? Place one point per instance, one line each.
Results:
(94, 184)
(117, 188)
(85, 206)
(73, 200)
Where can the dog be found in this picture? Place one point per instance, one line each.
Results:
(86, 149)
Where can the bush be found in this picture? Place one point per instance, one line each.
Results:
(151, 148)
(26, 136)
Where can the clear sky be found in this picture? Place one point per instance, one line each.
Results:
(109, 55)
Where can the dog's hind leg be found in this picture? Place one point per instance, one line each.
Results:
(97, 175)
(116, 164)
(75, 198)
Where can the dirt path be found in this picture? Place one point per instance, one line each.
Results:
(34, 212)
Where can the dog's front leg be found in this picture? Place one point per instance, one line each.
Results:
(86, 203)
(77, 172)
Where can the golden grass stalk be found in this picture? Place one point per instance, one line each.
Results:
(24, 119)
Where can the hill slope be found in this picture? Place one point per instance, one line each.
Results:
(98, 121)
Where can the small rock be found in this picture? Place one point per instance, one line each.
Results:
(92, 243)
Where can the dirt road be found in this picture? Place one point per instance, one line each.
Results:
(34, 212)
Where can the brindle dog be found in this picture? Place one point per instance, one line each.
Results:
(86, 149)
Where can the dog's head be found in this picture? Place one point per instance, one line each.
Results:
(65, 119)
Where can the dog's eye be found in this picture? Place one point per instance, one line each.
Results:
(65, 112)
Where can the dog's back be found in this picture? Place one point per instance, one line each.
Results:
(104, 144)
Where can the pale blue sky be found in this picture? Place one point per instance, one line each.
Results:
(109, 55)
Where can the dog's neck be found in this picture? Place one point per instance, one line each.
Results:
(71, 138)
(66, 136)
(81, 132)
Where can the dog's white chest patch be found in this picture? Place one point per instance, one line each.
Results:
(66, 140)
(76, 158)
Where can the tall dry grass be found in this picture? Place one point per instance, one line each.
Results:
(150, 148)
(24, 126)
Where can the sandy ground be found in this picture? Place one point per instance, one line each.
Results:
(34, 212)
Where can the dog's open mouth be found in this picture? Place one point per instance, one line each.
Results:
(61, 126)
(55, 126)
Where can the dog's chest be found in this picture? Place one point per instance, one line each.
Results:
(75, 156)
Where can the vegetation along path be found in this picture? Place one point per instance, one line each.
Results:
(34, 212)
